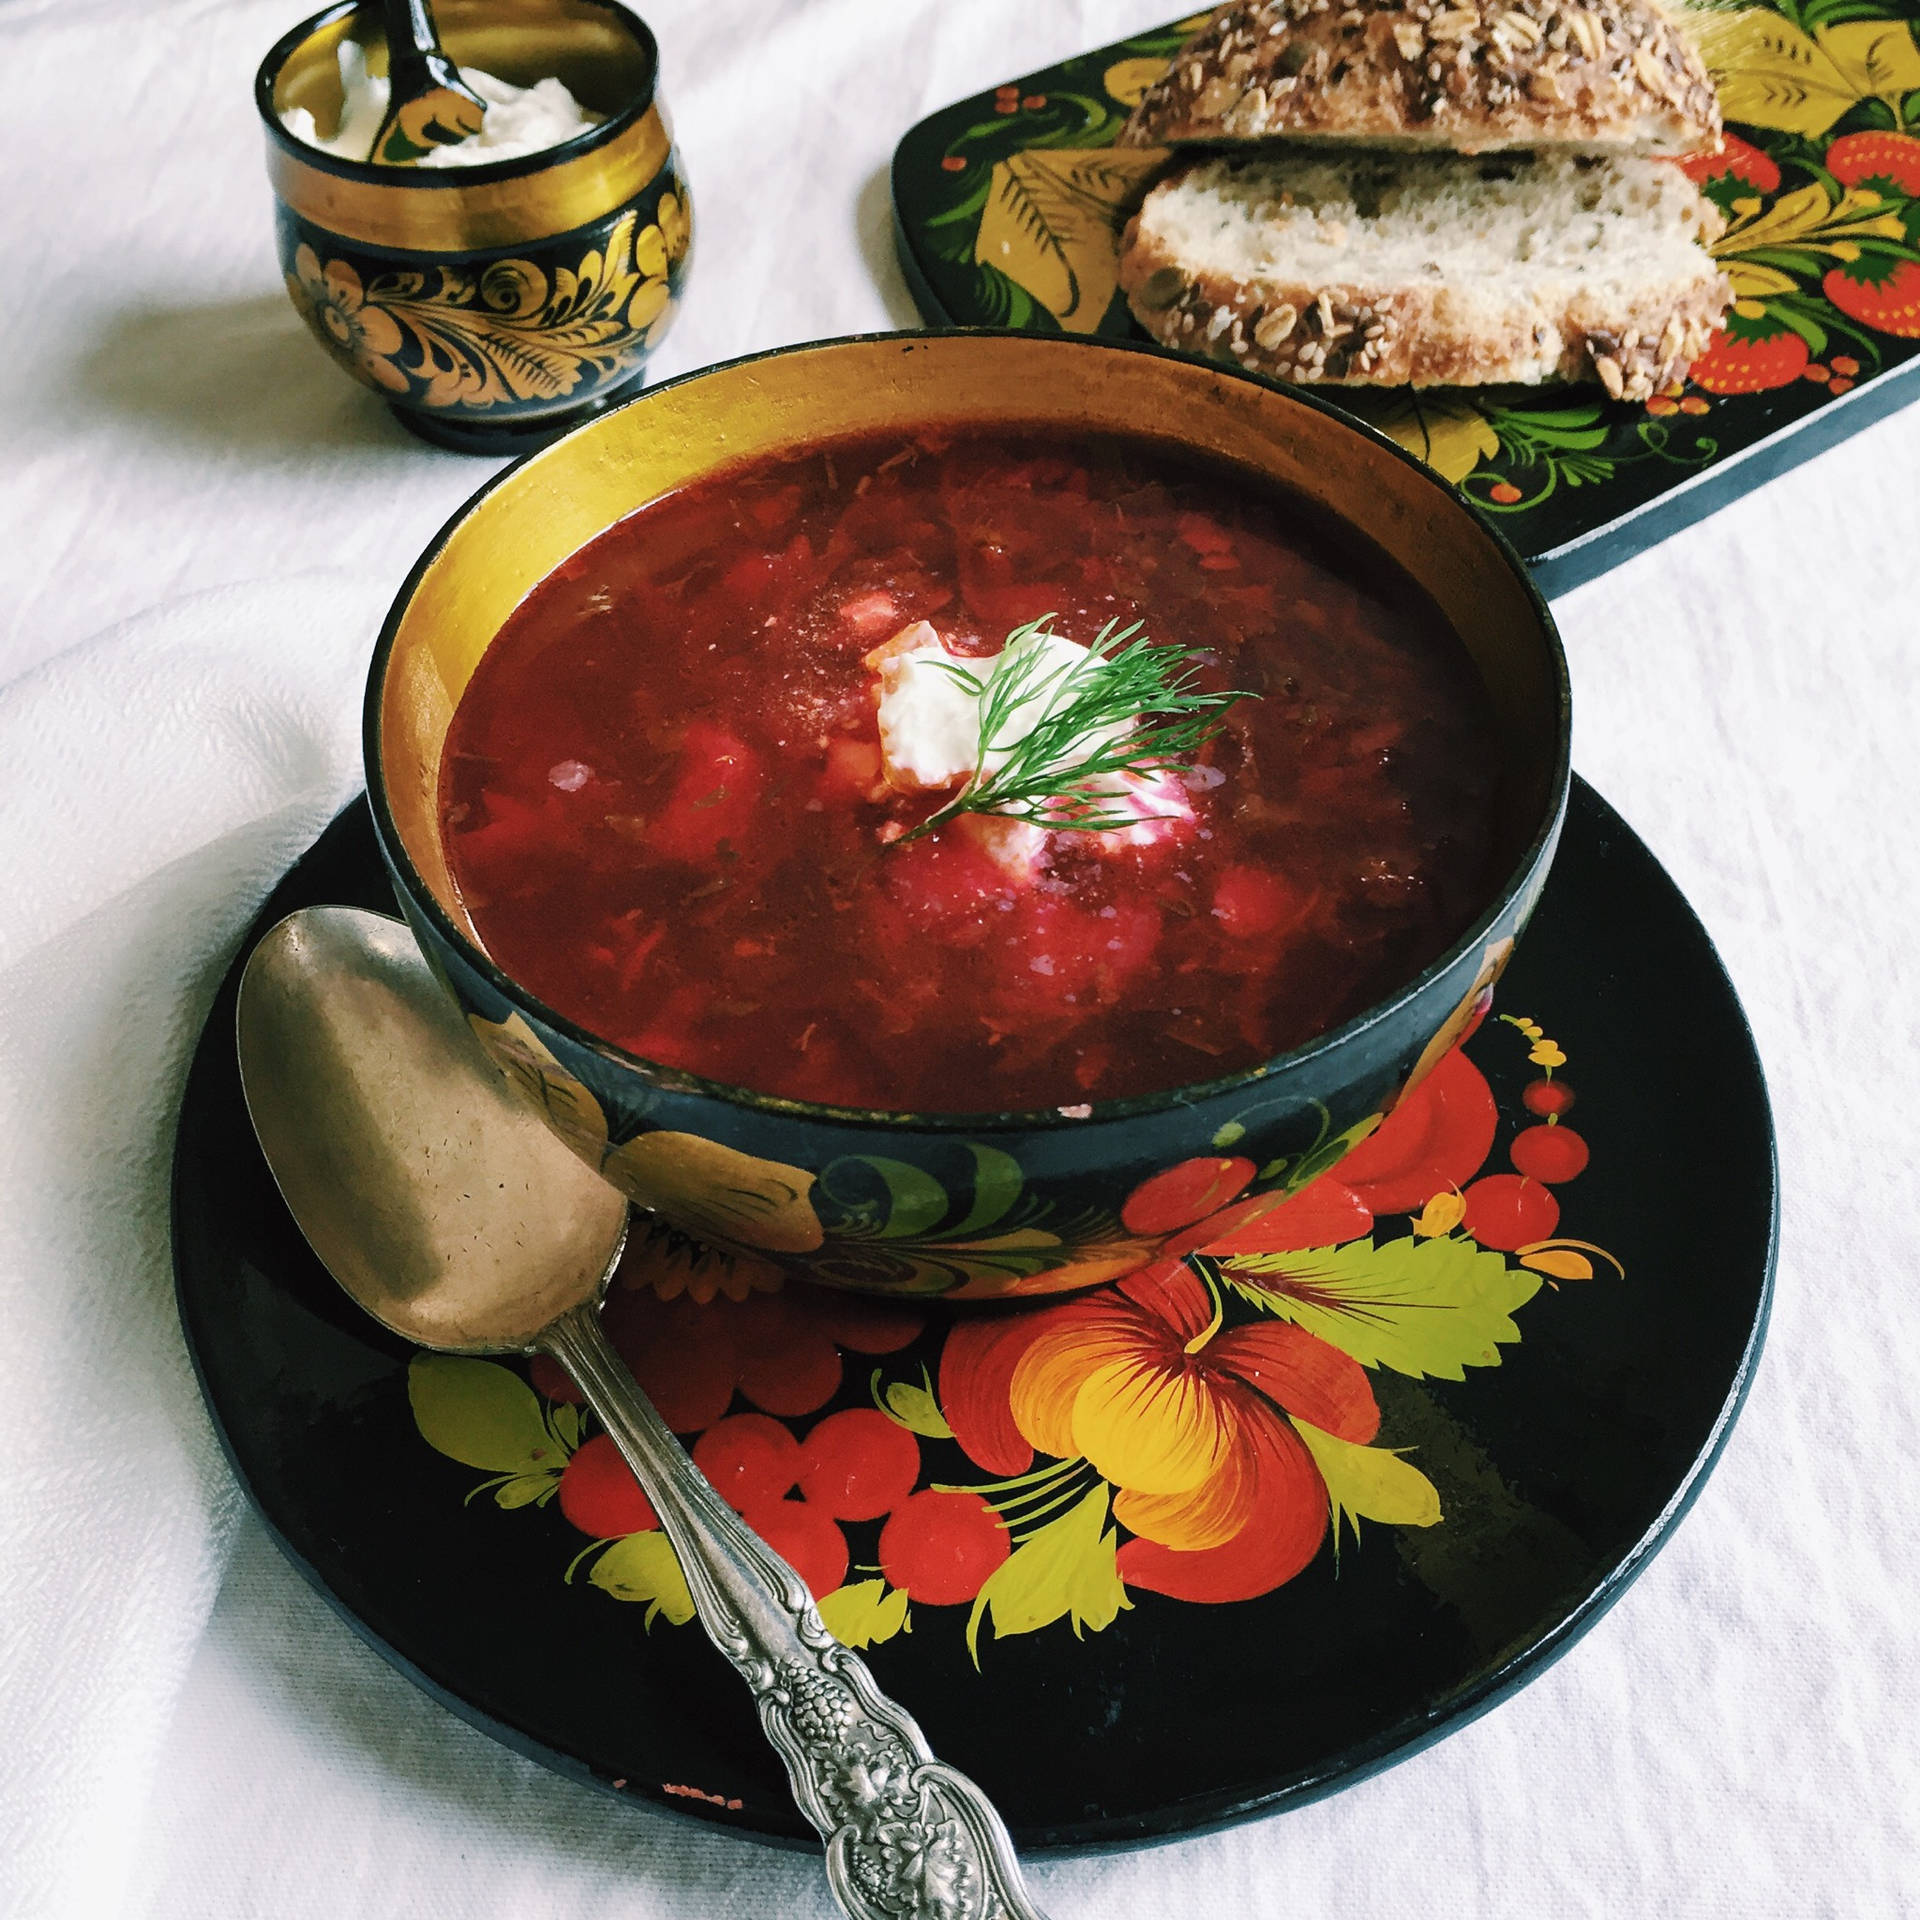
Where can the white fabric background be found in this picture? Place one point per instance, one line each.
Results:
(185, 1730)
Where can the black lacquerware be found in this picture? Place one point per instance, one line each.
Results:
(1008, 208)
(1560, 1470)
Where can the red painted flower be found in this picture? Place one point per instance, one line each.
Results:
(780, 1351)
(1437, 1137)
(1196, 1205)
(1188, 1422)
(1738, 157)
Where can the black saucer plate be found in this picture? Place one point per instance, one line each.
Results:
(1558, 1471)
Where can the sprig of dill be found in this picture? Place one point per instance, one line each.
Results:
(1128, 707)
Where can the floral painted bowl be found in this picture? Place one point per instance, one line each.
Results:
(988, 1204)
(492, 307)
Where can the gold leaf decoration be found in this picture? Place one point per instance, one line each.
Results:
(506, 334)
(718, 1193)
(642, 1568)
(1127, 81)
(1065, 1570)
(1370, 1483)
(1771, 74)
(864, 1614)
(1052, 224)
(1808, 218)
(1451, 436)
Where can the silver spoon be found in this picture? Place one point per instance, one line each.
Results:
(446, 1208)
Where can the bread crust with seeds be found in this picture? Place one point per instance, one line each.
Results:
(1471, 76)
(1266, 264)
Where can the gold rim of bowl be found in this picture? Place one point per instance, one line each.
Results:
(535, 515)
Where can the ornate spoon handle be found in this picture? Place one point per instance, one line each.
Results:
(907, 1838)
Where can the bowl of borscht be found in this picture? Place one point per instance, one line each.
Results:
(969, 813)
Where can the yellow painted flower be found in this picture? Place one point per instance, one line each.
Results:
(1178, 1415)
(1208, 1437)
(334, 304)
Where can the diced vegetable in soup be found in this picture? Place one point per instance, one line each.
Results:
(686, 796)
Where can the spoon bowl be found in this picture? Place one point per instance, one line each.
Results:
(417, 1180)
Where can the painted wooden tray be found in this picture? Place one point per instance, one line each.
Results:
(1008, 207)
(1553, 1363)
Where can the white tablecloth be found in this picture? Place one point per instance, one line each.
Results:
(184, 1728)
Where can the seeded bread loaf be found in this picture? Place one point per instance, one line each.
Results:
(1469, 76)
(1428, 270)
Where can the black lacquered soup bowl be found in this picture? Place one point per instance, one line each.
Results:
(982, 1205)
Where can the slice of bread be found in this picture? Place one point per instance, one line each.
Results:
(1468, 76)
(1385, 270)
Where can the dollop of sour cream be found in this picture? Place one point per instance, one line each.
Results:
(520, 120)
(930, 738)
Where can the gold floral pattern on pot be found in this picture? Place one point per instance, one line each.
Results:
(508, 333)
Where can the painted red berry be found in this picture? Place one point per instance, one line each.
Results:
(1504, 491)
(750, 1458)
(1739, 363)
(940, 1547)
(1737, 157)
(805, 1538)
(599, 1494)
(1880, 293)
(1547, 1097)
(790, 1381)
(1551, 1154)
(1507, 1210)
(858, 1464)
(1876, 155)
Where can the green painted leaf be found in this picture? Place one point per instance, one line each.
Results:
(525, 1490)
(997, 1184)
(865, 1614)
(1418, 1306)
(481, 1414)
(913, 1201)
(1330, 1152)
(642, 1567)
(915, 1408)
(563, 1422)
(1370, 1483)
(1066, 1570)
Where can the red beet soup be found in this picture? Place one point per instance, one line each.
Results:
(667, 807)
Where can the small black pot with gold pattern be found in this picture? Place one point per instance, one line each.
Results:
(492, 307)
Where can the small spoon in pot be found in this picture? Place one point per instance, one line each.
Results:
(429, 105)
(450, 1212)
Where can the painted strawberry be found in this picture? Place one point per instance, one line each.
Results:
(1880, 293)
(1876, 156)
(1737, 157)
(1741, 362)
